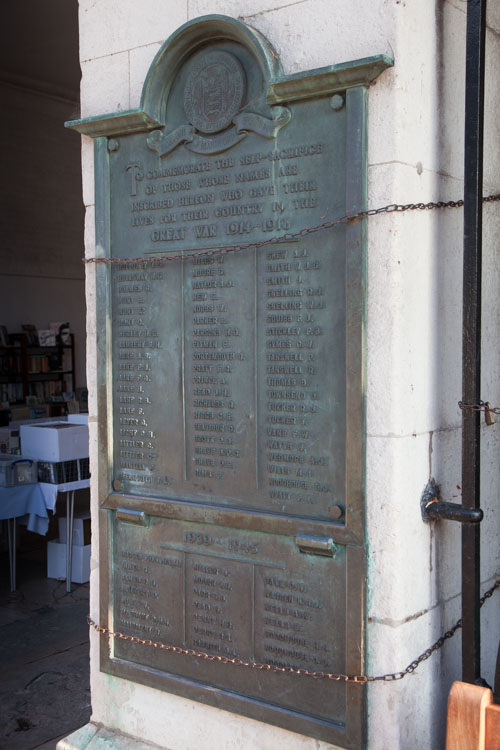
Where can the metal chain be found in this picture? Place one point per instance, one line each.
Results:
(360, 679)
(290, 236)
(481, 406)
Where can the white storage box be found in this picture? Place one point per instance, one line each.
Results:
(81, 529)
(15, 470)
(55, 441)
(78, 419)
(56, 562)
(18, 423)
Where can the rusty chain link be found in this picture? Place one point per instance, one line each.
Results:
(359, 679)
(291, 236)
(390, 208)
(481, 406)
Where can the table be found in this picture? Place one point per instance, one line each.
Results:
(50, 493)
(15, 502)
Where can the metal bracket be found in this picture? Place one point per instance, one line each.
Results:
(316, 545)
(137, 517)
(435, 509)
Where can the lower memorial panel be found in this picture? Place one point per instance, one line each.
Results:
(251, 596)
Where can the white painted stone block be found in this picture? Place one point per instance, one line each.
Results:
(242, 9)
(418, 106)
(186, 725)
(140, 61)
(400, 580)
(393, 721)
(490, 383)
(89, 235)
(315, 33)
(490, 483)
(490, 617)
(458, 5)
(92, 737)
(105, 85)
(381, 119)
(108, 26)
(79, 739)
(445, 555)
(491, 119)
(396, 709)
(91, 347)
(414, 303)
(88, 170)
(448, 121)
(493, 16)
(445, 460)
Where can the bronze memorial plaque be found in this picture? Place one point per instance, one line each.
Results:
(231, 359)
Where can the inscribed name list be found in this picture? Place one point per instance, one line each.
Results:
(228, 367)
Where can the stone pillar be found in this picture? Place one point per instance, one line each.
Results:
(413, 347)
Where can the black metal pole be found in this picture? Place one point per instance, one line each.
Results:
(471, 342)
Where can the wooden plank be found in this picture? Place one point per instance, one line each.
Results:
(492, 728)
(465, 725)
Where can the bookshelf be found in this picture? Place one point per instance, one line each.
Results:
(31, 375)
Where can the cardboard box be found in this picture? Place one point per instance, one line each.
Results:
(56, 562)
(81, 529)
(55, 441)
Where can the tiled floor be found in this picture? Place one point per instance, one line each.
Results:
(44, 685)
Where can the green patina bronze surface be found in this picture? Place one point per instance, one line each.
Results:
(230, 387)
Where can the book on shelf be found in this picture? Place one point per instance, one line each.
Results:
(47, 337)
(31, 333)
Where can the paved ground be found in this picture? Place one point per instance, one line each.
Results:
(44, 685)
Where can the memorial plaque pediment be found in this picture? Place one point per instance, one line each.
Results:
(230, 368)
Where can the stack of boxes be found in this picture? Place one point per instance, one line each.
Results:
(80, 558)
(55, 444)
(62, 452)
